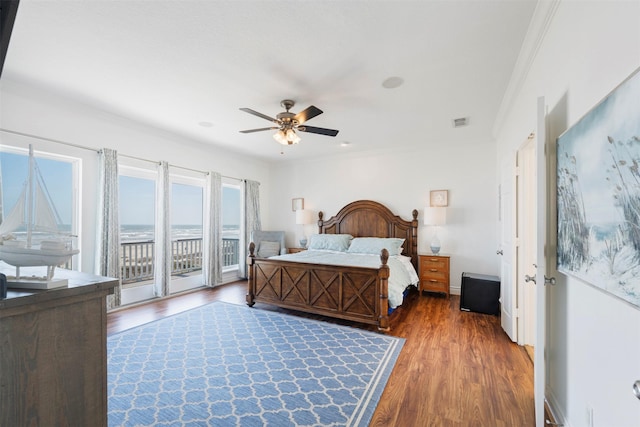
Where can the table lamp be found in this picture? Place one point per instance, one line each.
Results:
(435, 216)
(303, 217)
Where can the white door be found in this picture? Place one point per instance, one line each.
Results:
(508, 294)
(539, 369)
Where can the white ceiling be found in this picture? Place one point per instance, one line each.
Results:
(176, 64)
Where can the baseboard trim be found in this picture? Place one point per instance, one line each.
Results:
(552, 413)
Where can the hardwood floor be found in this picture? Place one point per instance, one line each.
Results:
(456, 368)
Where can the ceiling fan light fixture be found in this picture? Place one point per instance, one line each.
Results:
(292, 137)
(288, 137)
(280, 137)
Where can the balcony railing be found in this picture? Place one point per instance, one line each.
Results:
(136, 258)
(136, 261)
(230, 252)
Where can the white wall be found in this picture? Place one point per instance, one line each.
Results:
(593, 350)
(401, 180)
(30, 110)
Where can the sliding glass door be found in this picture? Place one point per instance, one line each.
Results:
(137, 204)
(187, 203)
(138, 215)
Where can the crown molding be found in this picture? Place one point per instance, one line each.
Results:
(538, 26)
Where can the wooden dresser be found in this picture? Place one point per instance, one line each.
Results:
(53, 352)
(295, 250)
(434, 273)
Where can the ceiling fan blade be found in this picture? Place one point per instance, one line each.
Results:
(321, 131)
(255, 113)
(307, 114)
(258, 130)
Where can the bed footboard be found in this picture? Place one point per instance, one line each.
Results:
(352, 293)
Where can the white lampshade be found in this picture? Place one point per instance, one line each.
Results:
(304, 216)
(292, 137)
(286, 138)
(281, 137)
(435, 215)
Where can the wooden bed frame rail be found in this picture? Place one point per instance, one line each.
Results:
(351, 293)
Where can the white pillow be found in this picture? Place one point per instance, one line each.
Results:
(268, 249)
(374, 245)
(330, 242)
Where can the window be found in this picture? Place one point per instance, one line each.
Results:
(231, 225)
(58, 177)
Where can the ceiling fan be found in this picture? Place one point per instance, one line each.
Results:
(288, 123)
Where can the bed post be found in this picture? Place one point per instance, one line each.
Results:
(251, 275)
(320, 222)
(414, 238)
(383, 275)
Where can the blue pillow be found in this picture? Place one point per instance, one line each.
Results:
(268, 249)
(374, 245)
(330, 242)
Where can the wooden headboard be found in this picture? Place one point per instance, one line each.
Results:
(366, 218)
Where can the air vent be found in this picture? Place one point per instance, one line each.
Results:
(462, 121)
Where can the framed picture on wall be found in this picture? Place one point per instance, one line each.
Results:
(598, 189)
(439, 198)
(297, 204)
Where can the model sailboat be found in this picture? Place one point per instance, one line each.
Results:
(35, 213)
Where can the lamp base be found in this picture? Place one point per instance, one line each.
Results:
(435, 243)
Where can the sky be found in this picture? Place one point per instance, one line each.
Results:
(230, 206)
(57, 176)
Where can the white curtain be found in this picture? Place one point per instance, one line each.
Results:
(164, 257)
(212, 259)
(252, 220)
(108, 247)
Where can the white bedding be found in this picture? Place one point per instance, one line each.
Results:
(401, 271)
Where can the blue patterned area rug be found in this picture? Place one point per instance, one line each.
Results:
(230, 365)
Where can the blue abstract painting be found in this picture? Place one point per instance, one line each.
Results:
(598, 185)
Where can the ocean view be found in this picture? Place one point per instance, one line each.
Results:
(145, 232)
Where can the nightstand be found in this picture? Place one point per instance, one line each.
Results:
(295, 250)
(434, 273)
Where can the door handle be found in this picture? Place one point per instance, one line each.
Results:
(549, 280)
(499, 252)
(528, 278)
(636, 388)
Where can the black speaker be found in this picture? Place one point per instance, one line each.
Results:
(480, 293)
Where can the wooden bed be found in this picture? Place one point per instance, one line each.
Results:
(352, 293)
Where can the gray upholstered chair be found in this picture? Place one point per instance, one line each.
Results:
(268, 243)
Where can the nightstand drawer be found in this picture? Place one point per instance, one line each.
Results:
(433, 285)
(439, 263)
(434, 273)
